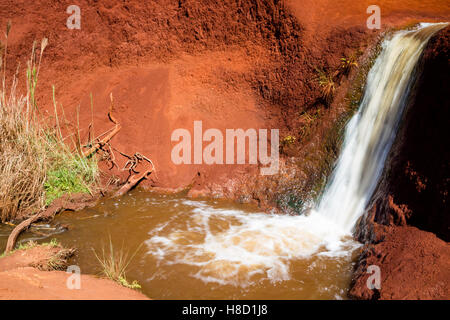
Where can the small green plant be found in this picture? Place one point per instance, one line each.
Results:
(133, 285)
(288, 140)
(53, 243)
(327, 84)
(308, 120)
(70, 175)
(114, 264)
(27, 245)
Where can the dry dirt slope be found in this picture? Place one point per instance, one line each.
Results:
(232, 64)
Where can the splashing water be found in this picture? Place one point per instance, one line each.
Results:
(233, 247)
(371, 132)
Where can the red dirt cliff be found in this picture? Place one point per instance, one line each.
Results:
(231, 64)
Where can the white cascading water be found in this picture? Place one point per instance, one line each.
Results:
(262, 244)
(371, 132)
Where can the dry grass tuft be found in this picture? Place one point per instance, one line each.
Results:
(347, 64)
(327, 83)
(23, 158)
(114, 264)
(36, 165)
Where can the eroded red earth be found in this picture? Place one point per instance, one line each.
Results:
(231, 64)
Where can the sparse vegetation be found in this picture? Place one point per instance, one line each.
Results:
(327, 83)
(328, 153)
(21, 246)
(114, 264)
(58, 260)
(347, 64)
(333, 138)
(36, 164)
(70, 173)
(356, 91)
(329, 80)
(31, 244)
(308, 119)
(286, 142)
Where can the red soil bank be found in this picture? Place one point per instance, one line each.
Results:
(20, 280)
(232, 64)
(413, 265)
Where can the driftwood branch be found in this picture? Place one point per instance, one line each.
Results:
(18, 230)
(131, 166)
(132, 182)
(55, 208)
(99, 144)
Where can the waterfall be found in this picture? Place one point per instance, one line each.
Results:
(371, 131)
(264, 245)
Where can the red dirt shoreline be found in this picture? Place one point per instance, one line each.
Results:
(21, 280)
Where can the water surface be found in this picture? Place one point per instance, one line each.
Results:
(206, 249)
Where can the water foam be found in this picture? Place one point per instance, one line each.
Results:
(231, 246)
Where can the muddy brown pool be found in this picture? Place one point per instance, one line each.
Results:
(205, 249)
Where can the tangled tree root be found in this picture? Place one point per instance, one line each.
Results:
(107, 150)
(132, 181)
(134, 176)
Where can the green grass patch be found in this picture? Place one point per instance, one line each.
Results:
(72, 174)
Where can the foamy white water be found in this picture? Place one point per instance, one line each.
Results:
(231, 246)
